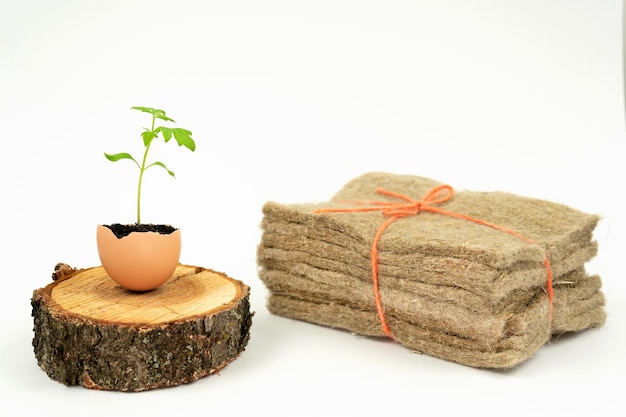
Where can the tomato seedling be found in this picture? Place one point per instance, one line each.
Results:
(182, 136)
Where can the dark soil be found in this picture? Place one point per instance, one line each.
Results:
(121, 230)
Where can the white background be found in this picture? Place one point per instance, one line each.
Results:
(287, 101)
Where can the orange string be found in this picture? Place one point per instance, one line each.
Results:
(397, 210)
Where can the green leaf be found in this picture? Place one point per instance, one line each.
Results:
(157, 113)
(183, 137)
(119, 156)
(144, 109)
(160, 164)
(148, 136)
(162, 116)
(167, 132)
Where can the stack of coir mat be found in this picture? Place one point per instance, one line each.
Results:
(479, 278)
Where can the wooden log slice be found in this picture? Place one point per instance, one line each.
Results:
(89, 331)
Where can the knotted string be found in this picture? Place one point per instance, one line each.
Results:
(410, 207)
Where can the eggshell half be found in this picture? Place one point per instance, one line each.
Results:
(141, 261)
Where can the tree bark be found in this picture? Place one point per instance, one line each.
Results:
(89, 331)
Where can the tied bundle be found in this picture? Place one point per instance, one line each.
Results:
(479, 278)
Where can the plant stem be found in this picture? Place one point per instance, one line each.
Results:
(141, 171)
